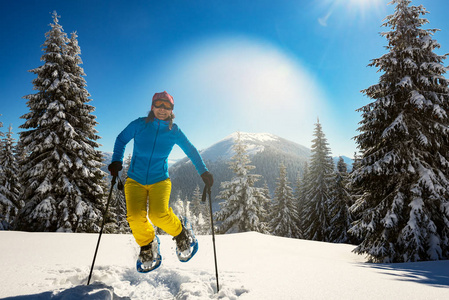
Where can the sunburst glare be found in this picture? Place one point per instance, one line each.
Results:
(351, 9)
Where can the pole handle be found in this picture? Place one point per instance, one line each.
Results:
(206, 191)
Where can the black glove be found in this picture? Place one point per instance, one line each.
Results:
(208, 178)
(115, 167)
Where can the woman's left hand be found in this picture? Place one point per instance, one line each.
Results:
(208, 179)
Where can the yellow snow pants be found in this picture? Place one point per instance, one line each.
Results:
(155, 197)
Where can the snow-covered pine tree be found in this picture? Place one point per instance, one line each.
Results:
(4, 225)
(10, 188)
(2, 199)
(62, 176)
(195, 203)
(117, 222)
(300, 195)
(340, 219)
(358, 203)
(1, 135)
(318, 189)
(207, 226)
(404, 139)
(122, 222)
(1, 125)
(297, 191)
(284, 219)
(200, 212)
(242, 209)
(181, 208)
(267, 204)
(110, 223)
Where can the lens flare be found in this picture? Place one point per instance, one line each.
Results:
(351, 10)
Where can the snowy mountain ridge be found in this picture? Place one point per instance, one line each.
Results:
(266, 151)
(255, 143)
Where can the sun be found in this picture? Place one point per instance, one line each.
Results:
(351, 10)
(364, 4)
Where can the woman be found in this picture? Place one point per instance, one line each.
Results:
(148, 180)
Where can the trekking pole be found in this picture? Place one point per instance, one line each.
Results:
(102, 226)
(207, 190)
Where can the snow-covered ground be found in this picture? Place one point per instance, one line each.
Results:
(251, 266)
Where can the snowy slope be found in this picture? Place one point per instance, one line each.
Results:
(251, 266)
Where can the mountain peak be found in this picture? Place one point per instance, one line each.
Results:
(246, 136)
(255, 143)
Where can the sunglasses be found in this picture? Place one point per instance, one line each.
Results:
(162, 104)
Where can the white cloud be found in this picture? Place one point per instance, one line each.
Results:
(323, 20)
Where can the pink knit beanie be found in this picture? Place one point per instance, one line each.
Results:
(164, 96)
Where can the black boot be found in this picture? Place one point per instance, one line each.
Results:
(146, 253)
(183, 240)
(186, 242)
(150, 257)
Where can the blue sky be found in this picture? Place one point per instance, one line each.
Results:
(231, 65)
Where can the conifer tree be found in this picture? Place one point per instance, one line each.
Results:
(300, 195)
(207, 226)
(242, 209)
(267, 204)
(1, 125)
(297, 191)
(3, 201)
(404, 140)
(318, 192)
(182, 208)
(10, 188)
(358, 203)
(62, 176)
(116, 221)
(200, 213)
(196, 219)
(284, 217)
(340, 219)
(195, 203)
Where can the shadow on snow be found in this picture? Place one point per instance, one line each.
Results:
(433, 273)
(95, 291)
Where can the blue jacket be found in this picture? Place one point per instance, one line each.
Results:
(153, 142)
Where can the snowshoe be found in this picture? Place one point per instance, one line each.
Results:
(150, 257)
(186, 242)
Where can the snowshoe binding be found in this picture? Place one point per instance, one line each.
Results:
(150, 257)
(186, 242)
